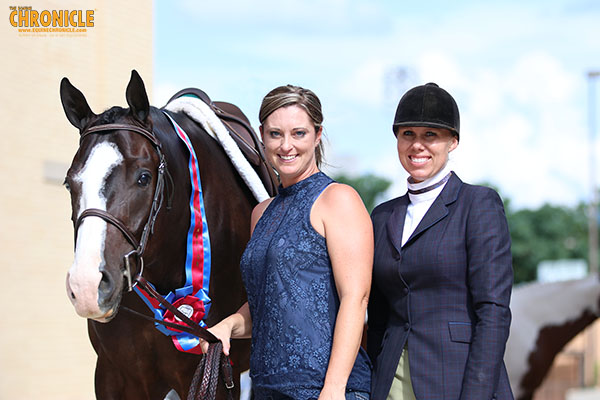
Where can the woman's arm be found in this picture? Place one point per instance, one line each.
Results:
(379, 309)
(490, 278)
(236, 326)
(239, 324)
(340, 215)
(377, 323)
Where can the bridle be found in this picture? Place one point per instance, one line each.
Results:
(157, 201)
(204, 383)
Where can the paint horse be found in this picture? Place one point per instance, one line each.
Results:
(136, 211)
(546, 316)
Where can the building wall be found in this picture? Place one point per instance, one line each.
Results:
(44, 348)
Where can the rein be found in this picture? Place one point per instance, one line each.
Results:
(211, 362)
(214, 359)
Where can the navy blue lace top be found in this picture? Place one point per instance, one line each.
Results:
(292, 297)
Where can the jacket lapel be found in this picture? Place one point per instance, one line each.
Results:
(438, 209)
(395, 223)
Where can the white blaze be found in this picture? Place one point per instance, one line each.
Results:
(84, 276)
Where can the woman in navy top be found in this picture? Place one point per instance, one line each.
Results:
(307, 268)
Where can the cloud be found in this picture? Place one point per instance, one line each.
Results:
(524, 130)
(523, 124)
(541, 79)
(162, 92)
(441, 68)
(517, 71)
(365, 83)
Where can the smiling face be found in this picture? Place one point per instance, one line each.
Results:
(423, 151)
(290, 141)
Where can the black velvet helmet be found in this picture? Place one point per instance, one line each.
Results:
(427, 105)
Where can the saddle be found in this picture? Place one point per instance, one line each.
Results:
(242, 133)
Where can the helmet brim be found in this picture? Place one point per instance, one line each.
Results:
(422, 123)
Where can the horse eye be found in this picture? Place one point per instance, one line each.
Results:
(144, 179)
(67, 186)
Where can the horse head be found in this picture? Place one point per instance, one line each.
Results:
(116, 190)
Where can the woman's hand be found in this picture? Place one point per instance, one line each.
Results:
(330, 392)
(222, 331)
(236, 326)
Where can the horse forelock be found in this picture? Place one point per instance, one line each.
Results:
(111, 115)
(115, 114)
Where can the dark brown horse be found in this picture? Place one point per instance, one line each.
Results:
(116, 170)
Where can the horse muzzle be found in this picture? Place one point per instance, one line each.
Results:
(95, 295)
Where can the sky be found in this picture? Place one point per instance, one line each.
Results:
(517, 69)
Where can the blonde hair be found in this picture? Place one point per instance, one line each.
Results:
(290, 95)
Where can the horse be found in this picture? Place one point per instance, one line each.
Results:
(130, 190)
(546, 316)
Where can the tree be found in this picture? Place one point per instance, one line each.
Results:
(368, 186)
(548, 233)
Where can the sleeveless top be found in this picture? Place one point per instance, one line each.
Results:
(292, 298)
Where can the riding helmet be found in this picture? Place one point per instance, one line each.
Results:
(427, 105)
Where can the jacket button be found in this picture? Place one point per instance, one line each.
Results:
(406, 326)
(405, 290)
(397, 256)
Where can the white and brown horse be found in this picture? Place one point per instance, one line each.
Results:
(546, 316)
(130, 184)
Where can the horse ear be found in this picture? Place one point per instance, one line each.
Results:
(75, 105)
(137, 97)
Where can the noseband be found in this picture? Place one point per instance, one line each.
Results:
(138, 246)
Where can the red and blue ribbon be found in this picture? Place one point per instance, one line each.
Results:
(192, 299)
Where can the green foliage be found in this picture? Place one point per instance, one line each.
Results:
(368, 186)
(547, 233)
